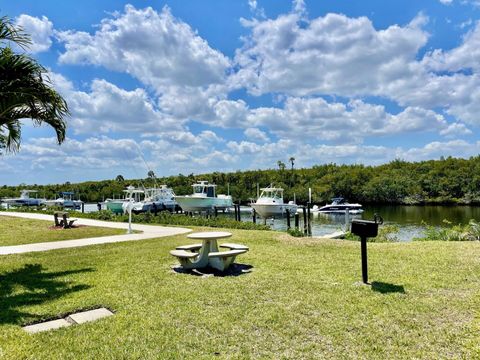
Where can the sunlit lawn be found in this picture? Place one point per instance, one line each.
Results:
(16, 231)
(301, 299)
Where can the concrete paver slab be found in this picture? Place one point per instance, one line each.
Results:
(46, 326)
(90, 315)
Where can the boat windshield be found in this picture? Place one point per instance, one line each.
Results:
(274, 194)
(199, 189)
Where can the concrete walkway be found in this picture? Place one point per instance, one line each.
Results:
(148, 232)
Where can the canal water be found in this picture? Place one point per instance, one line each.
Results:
(411, 220)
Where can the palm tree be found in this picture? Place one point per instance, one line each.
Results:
(119, 178)
(151, 174)
(281, 165)
(292, 160)
(25, 91)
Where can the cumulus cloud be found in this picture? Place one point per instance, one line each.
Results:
(315, 118)
(108, 108)
(256, 134)
(333, 54)
(462, 57)
(455, 130)
(152, 46)
(40, 31)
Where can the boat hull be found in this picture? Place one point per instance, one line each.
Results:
(115, 206)
(66, 204)
(194, 204)
(340, 210)
(24, 202)
(274, 210)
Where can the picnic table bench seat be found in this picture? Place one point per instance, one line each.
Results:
(193, 247)
(183, 254)
(184, 257)
(233, 246)
(221, 260)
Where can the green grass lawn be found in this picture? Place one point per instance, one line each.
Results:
(17, 231)
(300, 300)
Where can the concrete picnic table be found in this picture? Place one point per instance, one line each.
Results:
(208, 254)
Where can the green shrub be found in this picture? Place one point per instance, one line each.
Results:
(295, 232)
(449, 232)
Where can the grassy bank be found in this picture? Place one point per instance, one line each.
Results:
(299, 299)
(16, 231)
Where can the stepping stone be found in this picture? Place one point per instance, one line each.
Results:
(91, 315)
(46, 326)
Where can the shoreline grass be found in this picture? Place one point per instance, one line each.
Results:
(300, 300)
(20, 231)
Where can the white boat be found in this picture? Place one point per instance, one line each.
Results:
(204, 198)
(134, 196)
(270, 203)
(25, 199)
(162, 198)
(339, 206)
(116, 205)
(65, 201)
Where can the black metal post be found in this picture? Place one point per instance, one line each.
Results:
(305, 221)
(363, 241)
(238, 213)
(99, 206)
(288, 218)
(254, 215)
(215, 211)
(236, 210)
(83, 207)
(297, 220)
(309, 224)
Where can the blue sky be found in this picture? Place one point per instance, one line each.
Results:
(197, 86)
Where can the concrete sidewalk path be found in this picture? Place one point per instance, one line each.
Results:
(148, 232)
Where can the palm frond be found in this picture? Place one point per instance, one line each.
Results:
(13, 33)
(26, 93)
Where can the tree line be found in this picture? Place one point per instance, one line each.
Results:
(445, 181)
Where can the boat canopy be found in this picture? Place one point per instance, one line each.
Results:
(271, 192)
(203, 187)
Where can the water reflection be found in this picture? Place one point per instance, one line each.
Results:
(409, 219)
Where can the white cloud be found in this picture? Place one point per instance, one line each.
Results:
(436, 149)
(256, 134)
(40, 31)
(462, 57)
(333, 54)
(315, 118)
(154, 47)
(455, 130)
(108, 108)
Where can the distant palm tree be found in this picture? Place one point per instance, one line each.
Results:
(281, 165)
(292, 160)
(151, 174)
(119, 178)
(25, 91)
